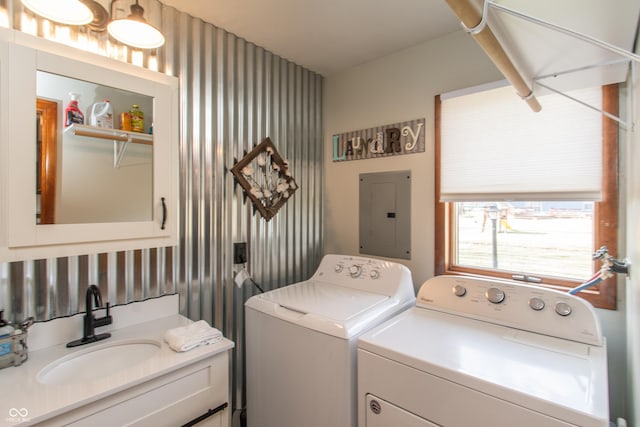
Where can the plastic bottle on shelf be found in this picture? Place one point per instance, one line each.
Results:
(101, 115)
(137, 119)
(73, 114)
(125, 120)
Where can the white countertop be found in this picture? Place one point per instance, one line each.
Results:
(25, 401)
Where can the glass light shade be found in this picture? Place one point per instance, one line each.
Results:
(69, 12)
(136, 33)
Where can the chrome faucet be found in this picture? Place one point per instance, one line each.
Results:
(90, 322)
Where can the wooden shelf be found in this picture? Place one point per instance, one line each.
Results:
(120, 138)
(110, 134)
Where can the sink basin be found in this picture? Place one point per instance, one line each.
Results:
(98, 362)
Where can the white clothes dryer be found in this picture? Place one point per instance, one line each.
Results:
(485, 353)
(301, 340)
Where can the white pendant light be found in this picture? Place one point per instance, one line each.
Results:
(135, 30)
(69, 12)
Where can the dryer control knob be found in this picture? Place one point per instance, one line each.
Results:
(339, 268)
(374, 274)
(355, 271)
(459, 290)
(536, 303)
(495, 295)
(563, 309)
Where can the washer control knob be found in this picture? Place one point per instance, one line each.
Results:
(495, 295)
(459, 290)
(563, 309)
(536, 303)
(355, 271)
(339, 268)
(374, 274)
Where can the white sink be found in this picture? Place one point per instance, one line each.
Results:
(98, 362)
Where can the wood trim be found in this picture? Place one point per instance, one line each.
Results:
(606, 211)
(47, 112)
(440, 233)
(603, 295)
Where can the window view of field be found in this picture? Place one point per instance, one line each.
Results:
(537, 238)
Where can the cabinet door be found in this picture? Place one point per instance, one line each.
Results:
(32, 61)
(173, 399)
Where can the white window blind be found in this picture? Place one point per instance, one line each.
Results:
(493, 147)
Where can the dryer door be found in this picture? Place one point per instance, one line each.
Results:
(381, 413)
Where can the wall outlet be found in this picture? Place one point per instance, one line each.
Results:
(240, 253)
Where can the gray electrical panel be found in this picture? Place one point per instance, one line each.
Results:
(385, 214)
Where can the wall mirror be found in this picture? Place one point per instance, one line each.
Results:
(97, 179)
(84, 188)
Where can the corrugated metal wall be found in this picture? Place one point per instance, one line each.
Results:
(232, 95)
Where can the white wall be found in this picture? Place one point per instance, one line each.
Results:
(401, 87)
(394, 89)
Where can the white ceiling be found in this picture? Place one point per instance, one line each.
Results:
(539, 51)
(327, 36)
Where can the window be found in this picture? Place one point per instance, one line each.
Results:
(526, 232)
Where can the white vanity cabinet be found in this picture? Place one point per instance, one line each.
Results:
(104, 177)
(110, 383)
(175, 399)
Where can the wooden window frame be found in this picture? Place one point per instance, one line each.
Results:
(603, 295)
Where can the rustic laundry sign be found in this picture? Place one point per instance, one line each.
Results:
(382, 141)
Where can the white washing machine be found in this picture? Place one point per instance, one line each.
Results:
(476, 352)
(301, 340)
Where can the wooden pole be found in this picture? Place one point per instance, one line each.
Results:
(471, 15)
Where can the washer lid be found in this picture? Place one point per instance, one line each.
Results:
(328, 308)
(325, 300)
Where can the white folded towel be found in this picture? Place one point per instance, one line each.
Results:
(191, 336)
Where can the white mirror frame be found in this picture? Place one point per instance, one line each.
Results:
(20, 237)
